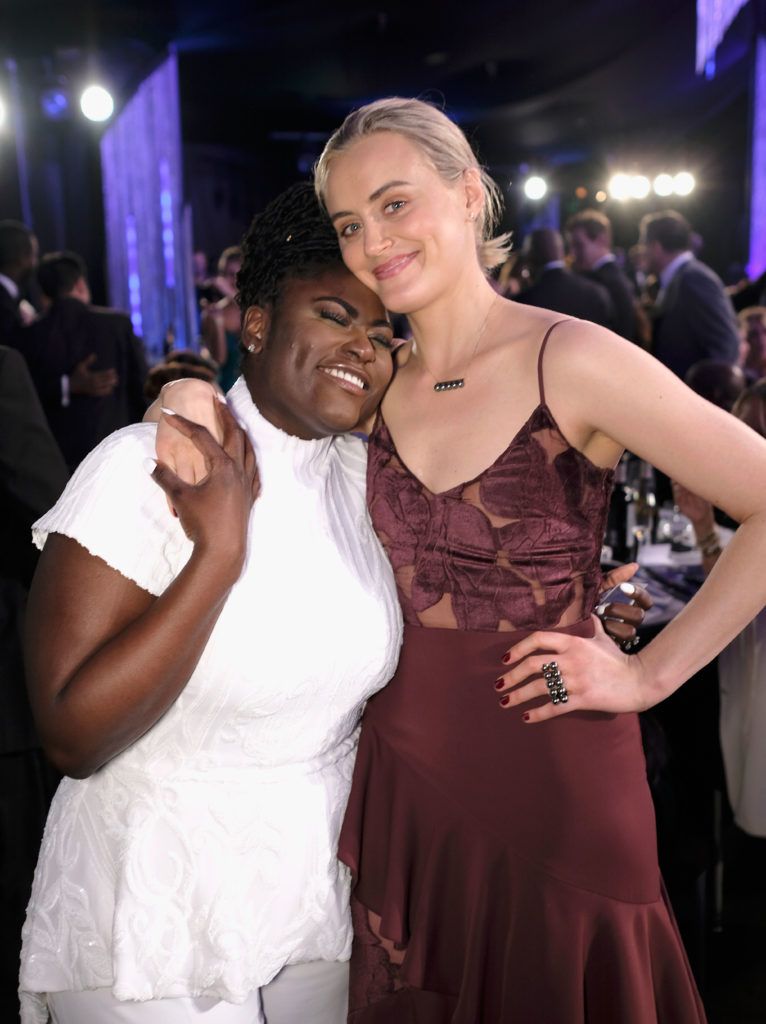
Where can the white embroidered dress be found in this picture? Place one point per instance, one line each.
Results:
(202, 859)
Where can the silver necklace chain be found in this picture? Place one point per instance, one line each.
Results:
(457, 382)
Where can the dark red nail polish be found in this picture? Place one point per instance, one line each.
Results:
(500, 683)
(525, 716)
(505, 701)
(506, 658)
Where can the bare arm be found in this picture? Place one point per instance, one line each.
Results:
(105, 659)
(625, 399)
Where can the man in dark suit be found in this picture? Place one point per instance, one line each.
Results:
(88, 366)
(32, 475)
(693, 318)
(557, 288)
(589, 234)
(18, 255)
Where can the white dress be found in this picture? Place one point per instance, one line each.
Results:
(202, 859)
(742, 678)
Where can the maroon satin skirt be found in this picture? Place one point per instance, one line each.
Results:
(504, 873)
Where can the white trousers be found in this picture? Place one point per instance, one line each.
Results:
(315, 993)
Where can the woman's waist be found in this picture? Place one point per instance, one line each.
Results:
(239, 767)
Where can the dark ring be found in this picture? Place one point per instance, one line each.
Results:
(629, 645)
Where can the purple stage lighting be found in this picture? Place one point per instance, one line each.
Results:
(757, 264)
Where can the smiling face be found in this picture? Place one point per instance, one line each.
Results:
(323, 354)
(404, 232)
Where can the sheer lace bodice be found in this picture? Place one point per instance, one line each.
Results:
(517, 547)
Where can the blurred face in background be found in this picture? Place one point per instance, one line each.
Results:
(754, 337)
(586, 251)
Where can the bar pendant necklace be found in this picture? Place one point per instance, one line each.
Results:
(459, 382)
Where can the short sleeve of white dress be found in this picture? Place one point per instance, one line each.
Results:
(115, 510)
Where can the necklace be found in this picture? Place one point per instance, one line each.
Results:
(458, 382)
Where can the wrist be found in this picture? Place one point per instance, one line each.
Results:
(220, 562)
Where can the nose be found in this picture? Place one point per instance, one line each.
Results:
(360, 346)
(376, 240)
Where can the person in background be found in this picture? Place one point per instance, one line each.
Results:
(18, 256)
(32, 476)
(693, 318)
(720, 383)
(589, 234)
(180, 364)
(555, 287)
(741, 665)
(86, 362)
(221, 320)
(752, 353)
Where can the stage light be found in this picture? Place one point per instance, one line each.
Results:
(581, 192)
(2, 112)
(663, 185)
(601, 196)
(619, 186)
(535, 187)
(639, 186)
(55, 103)
(96, 103)
(683, 183)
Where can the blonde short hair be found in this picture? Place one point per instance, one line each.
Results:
(752, 312)
(444, 145)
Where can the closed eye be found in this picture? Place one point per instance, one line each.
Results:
(383, 340)
(332, 314)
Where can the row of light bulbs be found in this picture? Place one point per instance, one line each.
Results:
(624, 186)
(96, 104)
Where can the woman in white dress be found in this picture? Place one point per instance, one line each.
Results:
(199, 679)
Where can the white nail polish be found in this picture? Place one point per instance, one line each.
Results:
(628, 588)
(601, 609)
(166, 412)
(150, 465)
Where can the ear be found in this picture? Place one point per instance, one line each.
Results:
(473, 188)
(255, 325)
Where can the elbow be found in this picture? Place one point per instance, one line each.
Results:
(75, 764)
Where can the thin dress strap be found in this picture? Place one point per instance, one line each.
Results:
(540, 357)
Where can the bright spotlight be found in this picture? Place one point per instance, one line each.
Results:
(639, 186)
(535, 187)
(619, 186)
(683, 183)
(96, 103)
(663, 185)
(601, 196)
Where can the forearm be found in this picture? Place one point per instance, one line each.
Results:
(126, 685)
(730, 598)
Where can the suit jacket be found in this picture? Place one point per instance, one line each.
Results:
(564, 292)
(694, 319)
(10, 318)
(32, 475)
(620, 291)
(54, 345)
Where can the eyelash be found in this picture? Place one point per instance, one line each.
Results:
(330, 314)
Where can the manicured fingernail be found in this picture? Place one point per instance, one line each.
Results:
(507, 658)
(505, 701)
(166, 412)
(627, 588)
(601, 609)
(525, 716)
(500, 683)
(221, 397)
(150, 465)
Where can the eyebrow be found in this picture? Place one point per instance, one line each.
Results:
(352, 311)
(375, 195)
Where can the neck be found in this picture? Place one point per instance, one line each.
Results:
(446, 330)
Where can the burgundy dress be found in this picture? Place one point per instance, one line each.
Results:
(505, 873)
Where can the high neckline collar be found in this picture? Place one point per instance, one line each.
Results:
(311, 454)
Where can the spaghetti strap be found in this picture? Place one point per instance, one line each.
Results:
(540, 357)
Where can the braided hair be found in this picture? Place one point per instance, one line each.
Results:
(291, 237)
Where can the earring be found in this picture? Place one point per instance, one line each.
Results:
(251, 346)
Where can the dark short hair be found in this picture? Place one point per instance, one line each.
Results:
(594, 223)
(292, 237)
(15, 243)
(669, 228)
(59, 272)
